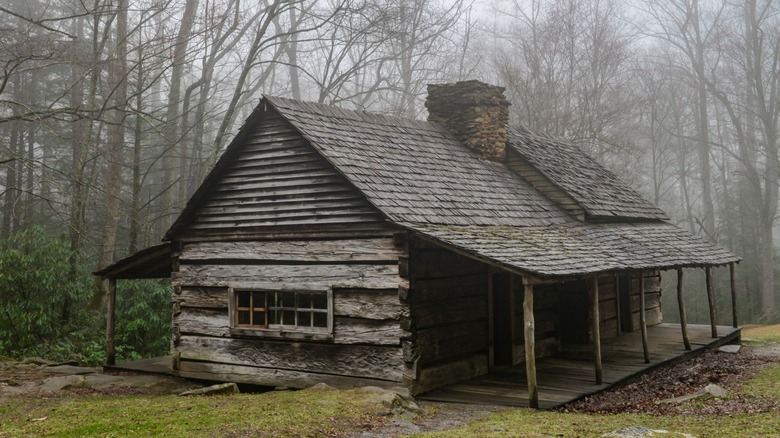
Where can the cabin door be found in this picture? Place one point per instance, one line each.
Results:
(502, 320)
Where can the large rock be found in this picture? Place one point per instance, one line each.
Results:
(730, 348)
(223, 388)
(711, 390)
(59, 383)
(393, 401)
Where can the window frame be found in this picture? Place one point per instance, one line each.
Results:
(279, 330)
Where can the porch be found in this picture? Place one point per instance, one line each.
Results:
(570, 375)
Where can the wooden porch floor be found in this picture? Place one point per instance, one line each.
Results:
(570, 375)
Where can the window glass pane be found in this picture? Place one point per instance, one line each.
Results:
(288, 317)
(320, 319)
(304, 300)
(288, 299)
(243, 317)
(320, 300)
(258, 318)
(274, 316)
(273, 299)
(258, 299)
(304, 319)
(243, 298)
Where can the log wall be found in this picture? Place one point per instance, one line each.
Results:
(449, 317)
(546, 338)
(364, 348)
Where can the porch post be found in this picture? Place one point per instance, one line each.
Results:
(642, 316)
(530, 353)
(711, 301)
(596, 328)
(681, 304)
(111, 322)
(733, 295)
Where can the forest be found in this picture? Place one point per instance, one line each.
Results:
(113, 111)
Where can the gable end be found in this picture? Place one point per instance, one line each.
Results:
(276, 181)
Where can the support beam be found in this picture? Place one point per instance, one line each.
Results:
(111, 323)
(733, 295)
(530, 348)
(642, 316)
(596, 329)
(711, 302)
(681, 304)
(617, 304)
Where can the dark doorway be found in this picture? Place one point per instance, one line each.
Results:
(573, 310)
(502, 320)
(624, 293)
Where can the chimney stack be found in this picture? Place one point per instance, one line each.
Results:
(476, 112)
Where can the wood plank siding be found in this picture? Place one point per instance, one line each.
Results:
(449, 314)
(278, 180)
(364, 346)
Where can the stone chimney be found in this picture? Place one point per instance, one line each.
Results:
(476, 112)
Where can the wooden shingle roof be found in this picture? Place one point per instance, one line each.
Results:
(579, 249)
(422, 178)
(597, 190)
(416, 171)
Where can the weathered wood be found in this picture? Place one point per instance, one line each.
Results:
(520, 166)
(367, 331)
(291, 277)
(434, 289)
(454, 311)
(733, 284)
(346, 250)
(216, 323)
(565, 377)
(368, 304)
(111, 323)
(436, 345)
(455, 371)
(642, 319)
(434, 263)
(617, 303)
(203, 296)
(711, 302)
(529, 338)
(491, 336)
(681, 304)
(279, 179)
(273, 376)
(345, 360)
(596, 330)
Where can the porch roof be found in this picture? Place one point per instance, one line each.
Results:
(152, 262)
(579, 249)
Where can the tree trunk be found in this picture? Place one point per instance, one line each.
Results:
(117, 80)
(171, 130)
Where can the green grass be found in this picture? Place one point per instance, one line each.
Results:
(762, 333)
(766, 383)
(529, 423)
(312, 412)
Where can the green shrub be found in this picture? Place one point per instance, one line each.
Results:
(44, 312)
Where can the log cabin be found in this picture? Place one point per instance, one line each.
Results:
(351, 248)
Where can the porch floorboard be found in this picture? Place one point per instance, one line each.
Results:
(570, 375)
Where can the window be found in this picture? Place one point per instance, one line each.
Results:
(303, 311)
